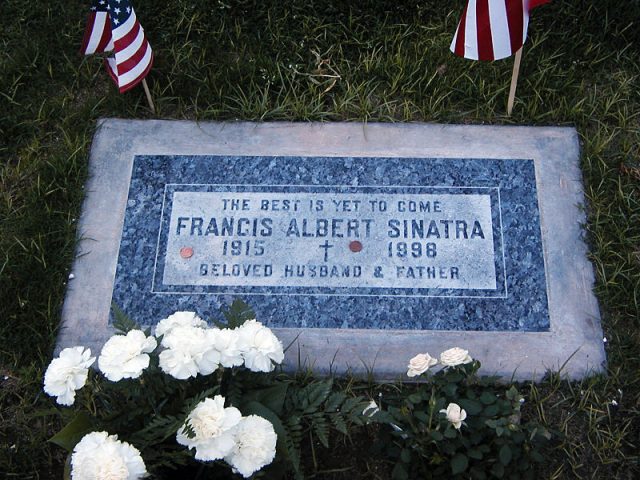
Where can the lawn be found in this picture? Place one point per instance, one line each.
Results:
(319, 60)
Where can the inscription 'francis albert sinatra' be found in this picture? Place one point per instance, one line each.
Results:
(330, 239)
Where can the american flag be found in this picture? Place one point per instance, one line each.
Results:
(493, 29)
(113, 27)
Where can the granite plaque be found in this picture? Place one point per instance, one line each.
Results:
(365, 255)
(336, 242)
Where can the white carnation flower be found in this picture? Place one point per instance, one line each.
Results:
(420, 364)
(255, 446)
(455, 356)
(455, 414)
(100, 456)
(189, 351)
(68, 373)
(214, 427)
(259, 346)
(178, 363)
(225, 341)
(125, 356)
(179, 319)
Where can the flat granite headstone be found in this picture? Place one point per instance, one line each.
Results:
(361, 244)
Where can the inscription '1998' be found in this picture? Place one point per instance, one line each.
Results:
(416, 240)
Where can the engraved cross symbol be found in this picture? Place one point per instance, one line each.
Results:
(326, 245)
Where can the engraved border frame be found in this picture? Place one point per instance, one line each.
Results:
(501, 290)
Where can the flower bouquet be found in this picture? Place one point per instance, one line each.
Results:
(189, 397)
(456, 424)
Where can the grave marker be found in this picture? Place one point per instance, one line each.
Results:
(368, 244)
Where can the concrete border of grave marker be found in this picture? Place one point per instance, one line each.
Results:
(575, 336)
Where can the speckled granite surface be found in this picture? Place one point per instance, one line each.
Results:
(517, 303)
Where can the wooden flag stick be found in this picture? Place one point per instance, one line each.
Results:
(148, 93)
(514, 81)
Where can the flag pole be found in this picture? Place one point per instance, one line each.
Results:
(148, 94)
(514, 81)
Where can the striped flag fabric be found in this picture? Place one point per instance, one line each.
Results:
(114, 27)
(492, 29)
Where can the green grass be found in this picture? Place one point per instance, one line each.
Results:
(318, 60)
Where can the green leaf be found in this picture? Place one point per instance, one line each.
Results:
(497, 470)
(314, 394)
(450, 389)
(339, 423)
(238, 313)
(415, 398)
(157, 430)
(191, 403)
(354, 406)
(474, 453)
(436, 435)
(472, 407)
(47, 412)
(121, 320)
(334, 401)
(454, 376)
(321, 429)
(505, 455)
(383, 416)
(67, 468)
(537, 456)
(478, 474)
(491, 410)
(188, 429)
(459, 463)
(491, 423)
(540, 431)
(450, 432)
(399, 472)
(512, 393)
(421, 416)
(487, 398)
(256, 408)
(405, 455)
(71, 434)
(272, 397)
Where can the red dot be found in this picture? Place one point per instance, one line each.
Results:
(186, 252)
(355, 246)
